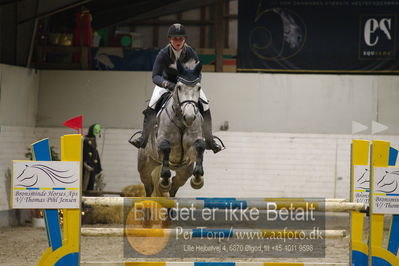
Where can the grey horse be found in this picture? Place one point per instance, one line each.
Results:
(176, 143)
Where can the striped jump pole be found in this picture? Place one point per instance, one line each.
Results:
(165, 263)
(207, 232)
(230, 203)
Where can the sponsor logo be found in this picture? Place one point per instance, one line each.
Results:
(377, 37)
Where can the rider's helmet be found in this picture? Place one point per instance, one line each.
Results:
(177, 30)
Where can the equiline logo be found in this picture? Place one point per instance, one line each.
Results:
(377, 37)
(32, 176)
(374, 29)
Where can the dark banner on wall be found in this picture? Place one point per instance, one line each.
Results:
(343, 36)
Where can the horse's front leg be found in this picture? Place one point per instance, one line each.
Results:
(164, 184)
(198, 180)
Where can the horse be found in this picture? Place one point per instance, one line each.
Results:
(176, 142)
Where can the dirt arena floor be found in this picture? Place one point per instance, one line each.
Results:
(22, 246)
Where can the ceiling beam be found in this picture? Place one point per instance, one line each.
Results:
(117, 14)
(7, 2)
(178, 6)
(169, 22)
(55, 11)
(162, 8)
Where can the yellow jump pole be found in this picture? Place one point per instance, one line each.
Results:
(359, 157)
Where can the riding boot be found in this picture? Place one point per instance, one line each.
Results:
(207, 130)
(150, 119)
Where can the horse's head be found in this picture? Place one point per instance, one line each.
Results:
(187, 92)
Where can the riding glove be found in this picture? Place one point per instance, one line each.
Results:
(169, 85)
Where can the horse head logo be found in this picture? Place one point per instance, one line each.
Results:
(363, 182)
(277, 43)
(33, 174)
(388, 183)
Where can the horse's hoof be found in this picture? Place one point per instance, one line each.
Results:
(198, 171)
(197, 182)
(164, 187)
(166, 173)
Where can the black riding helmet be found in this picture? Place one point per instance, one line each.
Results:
(177, 30)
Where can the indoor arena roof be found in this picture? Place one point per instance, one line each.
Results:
(105, 12)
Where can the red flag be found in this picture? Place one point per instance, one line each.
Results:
(75, 123)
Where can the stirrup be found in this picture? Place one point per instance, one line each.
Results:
(221, 142)
(222, 147)
(131, 141)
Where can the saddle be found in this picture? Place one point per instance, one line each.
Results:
(161, 104)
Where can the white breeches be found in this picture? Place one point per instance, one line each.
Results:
(159, 91)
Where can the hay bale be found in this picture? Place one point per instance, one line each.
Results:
(103, 215)
(133, 191)
(112, 215)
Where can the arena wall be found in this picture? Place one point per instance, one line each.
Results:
(255, 164)
(288, 135)
(249, 102)
(19, 89)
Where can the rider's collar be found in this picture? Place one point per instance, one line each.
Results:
(176, 53)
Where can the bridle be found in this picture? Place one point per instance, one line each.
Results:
(181, 103)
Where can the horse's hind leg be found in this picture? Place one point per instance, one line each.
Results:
(180, 179)
(198, 180)
(148, 185)
(164, 184)
(145, 168)
(155, 174)
(148, 189)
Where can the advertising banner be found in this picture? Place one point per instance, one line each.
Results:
(46, 185)
(342, 36)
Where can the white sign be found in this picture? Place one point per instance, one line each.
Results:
(386, 190)
(357, 127)
(45, 185)
(361, 181)
(377, 127)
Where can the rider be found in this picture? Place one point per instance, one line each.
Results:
(164, 75)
